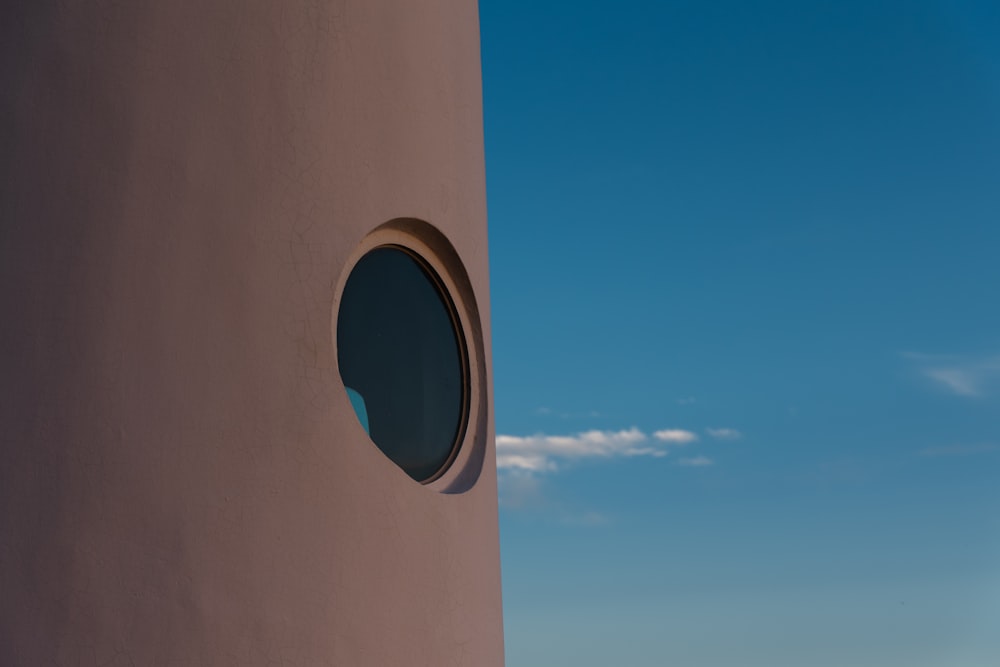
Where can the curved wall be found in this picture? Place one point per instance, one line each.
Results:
(183, 480)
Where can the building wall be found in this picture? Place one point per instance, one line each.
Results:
(182, 478)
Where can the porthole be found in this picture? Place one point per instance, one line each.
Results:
(403, 360)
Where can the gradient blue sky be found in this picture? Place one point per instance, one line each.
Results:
(776, 218)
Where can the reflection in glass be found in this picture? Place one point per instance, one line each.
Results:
(360, 409)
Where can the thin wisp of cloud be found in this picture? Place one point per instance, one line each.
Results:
(697, 462)
(519, 489)
(969, 377)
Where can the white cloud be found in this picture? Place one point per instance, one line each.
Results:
(958, 450)
(961, 376)
(675, 436)
(697, 462)
(523, 461)
(724, 433)
(540, 453)
(533, 462)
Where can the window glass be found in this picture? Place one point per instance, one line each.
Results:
(401, 360)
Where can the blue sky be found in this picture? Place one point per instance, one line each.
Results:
(744, 274)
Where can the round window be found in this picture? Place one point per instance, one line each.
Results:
(402, 360)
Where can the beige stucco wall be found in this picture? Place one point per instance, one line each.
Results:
(182, 479)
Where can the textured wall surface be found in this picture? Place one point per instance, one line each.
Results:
(182, 479)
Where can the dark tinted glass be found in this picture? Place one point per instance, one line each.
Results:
(401, 360)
